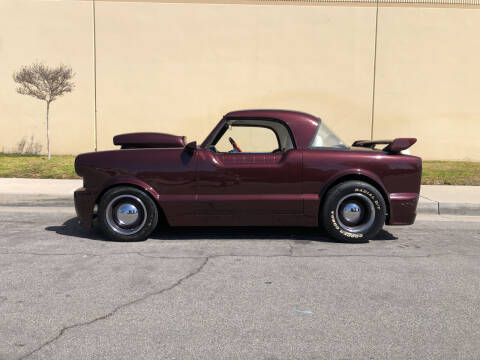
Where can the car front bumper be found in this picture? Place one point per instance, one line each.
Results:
(84, 204)
(403, 208)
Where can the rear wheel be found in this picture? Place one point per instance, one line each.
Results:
(353, 211)
(127, 214)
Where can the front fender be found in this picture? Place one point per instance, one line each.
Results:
(129, 180)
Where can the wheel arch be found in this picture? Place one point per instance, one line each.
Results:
(140, 185)
(357, 177)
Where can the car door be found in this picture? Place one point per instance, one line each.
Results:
(249, 187)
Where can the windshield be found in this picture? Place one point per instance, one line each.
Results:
(324, 137)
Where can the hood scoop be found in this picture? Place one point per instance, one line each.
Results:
(145, 140)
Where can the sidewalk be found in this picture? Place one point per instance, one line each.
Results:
(434, 199)
(447, 199)
(46, 187)
(37, 192)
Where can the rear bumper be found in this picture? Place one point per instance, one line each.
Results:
(403, 208)
(84, 204)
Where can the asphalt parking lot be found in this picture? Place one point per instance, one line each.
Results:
(222, 293)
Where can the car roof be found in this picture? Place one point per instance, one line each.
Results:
(302, 125)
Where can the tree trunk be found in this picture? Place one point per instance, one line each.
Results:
(48, 131)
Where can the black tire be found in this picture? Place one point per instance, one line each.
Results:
(126, 213)
(353, 211)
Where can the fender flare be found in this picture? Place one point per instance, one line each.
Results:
(359, 174)
(129, 180)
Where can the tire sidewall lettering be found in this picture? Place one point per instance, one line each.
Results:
(334, 221)
(341, 231)
(371, 196)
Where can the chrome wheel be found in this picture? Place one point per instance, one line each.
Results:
(355, 213)
(126, 214)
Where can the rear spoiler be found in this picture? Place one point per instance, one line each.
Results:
(393, 146)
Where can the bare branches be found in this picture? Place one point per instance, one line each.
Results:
(44, 83)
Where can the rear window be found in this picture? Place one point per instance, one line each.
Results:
(324, 137)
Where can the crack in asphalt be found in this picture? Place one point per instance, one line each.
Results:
(290, 250)
(119, 307)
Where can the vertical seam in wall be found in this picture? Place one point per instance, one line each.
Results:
(94, 76)
(374, 72)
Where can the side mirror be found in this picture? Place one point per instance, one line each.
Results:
(191, 147)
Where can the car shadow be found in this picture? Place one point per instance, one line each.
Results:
(71, 227)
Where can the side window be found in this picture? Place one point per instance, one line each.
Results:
(250, 139)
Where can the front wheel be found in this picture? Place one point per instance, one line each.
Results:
(127, 214)
(353, 211)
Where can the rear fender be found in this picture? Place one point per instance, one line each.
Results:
(352, 173)
(360, 175)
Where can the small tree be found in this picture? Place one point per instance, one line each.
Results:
(44, 83)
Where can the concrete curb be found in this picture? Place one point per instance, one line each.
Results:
(427, 208)
(449, 200)
(448, 208)
(458, 209)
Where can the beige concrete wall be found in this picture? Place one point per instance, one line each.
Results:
(428, 80)
(53, 33)
(178, 67)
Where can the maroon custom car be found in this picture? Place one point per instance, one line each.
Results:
(256, 168)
